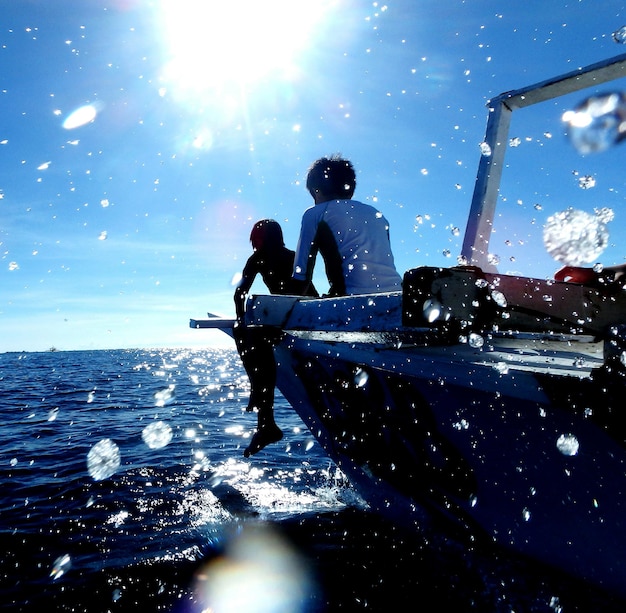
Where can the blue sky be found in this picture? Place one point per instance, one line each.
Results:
(206, 115)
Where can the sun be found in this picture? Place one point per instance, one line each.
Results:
(216, 48)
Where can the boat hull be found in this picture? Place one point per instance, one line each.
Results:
(511, 444)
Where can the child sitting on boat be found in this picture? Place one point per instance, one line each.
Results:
(353, 237)
(274, 262)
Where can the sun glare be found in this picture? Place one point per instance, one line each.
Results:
(222, 46)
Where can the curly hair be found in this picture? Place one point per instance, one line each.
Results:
(333, 177)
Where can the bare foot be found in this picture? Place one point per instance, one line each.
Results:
(263, 437)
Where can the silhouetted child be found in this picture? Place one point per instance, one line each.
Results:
(274, 262)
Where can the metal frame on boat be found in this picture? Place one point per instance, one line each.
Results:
(493, 401)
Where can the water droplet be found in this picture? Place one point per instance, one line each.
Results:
(499, 298)
(502, 367)
(619, 36)
(597, 123)
(586, 182)
(567, 444)
(526, 514)
(53, 414)
(605, 214)
(475, 340)
(165, 396)
(360, 377)
(515, 142)
(431, 310)
(81, 116)
(574, 237)
(61, 565)
(493, 259)
(555, 604)
(103, 235)
(463, 424)
(103, 459)
(157, 435)
(485, 149)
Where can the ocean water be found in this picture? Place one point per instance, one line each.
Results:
(124, 488)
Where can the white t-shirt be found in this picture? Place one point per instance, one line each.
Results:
(353, 239)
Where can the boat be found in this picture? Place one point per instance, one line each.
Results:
(490, 401)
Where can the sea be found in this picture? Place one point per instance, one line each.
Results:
(124, 488)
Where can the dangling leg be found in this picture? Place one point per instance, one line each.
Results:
(256, 348)
(257, 357)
